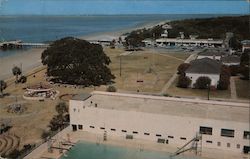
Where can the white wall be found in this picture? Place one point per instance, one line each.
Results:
(81, 113)
(194, 76)
(211, 57)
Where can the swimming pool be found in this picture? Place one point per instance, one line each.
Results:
(87, 150)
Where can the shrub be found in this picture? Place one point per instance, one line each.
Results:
(224, 78)
(111, 89)
(234, 70)
(182, 68)
(23, 79)
(202, 82)
(183, 81)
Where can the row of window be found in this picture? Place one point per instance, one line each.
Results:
(219, 144)
(80, 127)
(170, 137)
(224, 132)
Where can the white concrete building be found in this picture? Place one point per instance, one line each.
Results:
(214, 54)
(189, 42)
(231, 60)
(245, 45)
(174, 121)
(204, 67)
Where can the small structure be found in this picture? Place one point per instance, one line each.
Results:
(204, 67)
(230, 60)
(214, 54)
(149, 42)
(245, 45)
(40, 92)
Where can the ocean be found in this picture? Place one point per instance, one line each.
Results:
(49, 28)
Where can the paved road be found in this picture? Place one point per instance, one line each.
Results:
(233, 88)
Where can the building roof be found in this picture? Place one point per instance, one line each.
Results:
(230, 59)
(245, 42)
(204, 66)
(195, 108)
(212, 52)
(81, 96)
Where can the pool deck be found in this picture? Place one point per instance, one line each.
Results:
(42, 151)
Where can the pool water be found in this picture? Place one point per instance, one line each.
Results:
(87, 150)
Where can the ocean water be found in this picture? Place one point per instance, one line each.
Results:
(49, 28)
(93, 151)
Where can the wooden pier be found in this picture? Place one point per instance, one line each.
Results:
(19, 44)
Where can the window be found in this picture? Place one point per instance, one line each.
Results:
(227, 133)
(206, 130)
(228, 144)
(112, 129)
(218, 143)
(238, 146)
(246, 135)
(80, 127)
(124, 130)
(183, 138)
(92, 127)
(158, 135)
(102, 128)
(208, 141)
(161, 141)
(171, 137)
(146, 134)
(135, 132)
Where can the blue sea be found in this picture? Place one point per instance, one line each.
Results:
(49, 28)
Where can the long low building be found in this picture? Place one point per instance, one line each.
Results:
(174, 121)
(189, 42)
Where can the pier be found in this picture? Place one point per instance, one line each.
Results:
(20, 44)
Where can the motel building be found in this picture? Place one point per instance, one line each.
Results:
(189, 42)
(213, 125)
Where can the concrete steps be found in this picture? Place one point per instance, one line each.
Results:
(8, 143)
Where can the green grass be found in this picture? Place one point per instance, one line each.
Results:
(201, 93)
(242, 88)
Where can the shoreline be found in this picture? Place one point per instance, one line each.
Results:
(31, 59)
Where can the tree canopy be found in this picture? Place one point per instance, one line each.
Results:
(75, 61)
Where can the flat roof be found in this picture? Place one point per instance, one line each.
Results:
(217, 110)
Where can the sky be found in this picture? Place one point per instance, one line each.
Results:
(114, 7)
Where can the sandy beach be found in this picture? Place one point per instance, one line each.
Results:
(27, 60)
(30, 59)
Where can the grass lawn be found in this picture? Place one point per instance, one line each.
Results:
(189, 92)
(242, 88)
(151, 69)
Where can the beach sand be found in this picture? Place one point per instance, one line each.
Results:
(26, 59)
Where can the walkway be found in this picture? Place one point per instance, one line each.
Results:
(233, 88)
(172, 79)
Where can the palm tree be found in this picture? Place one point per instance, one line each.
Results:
(16, 72)
(3, 86)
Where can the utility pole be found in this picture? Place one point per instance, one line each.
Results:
(120, 65)
(208, 91)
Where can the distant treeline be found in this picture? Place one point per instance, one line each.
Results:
(205, 28)
(212, 27)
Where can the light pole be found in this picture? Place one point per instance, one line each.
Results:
(120, 65)
(208, 91)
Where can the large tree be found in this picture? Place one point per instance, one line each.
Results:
(76, 61)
